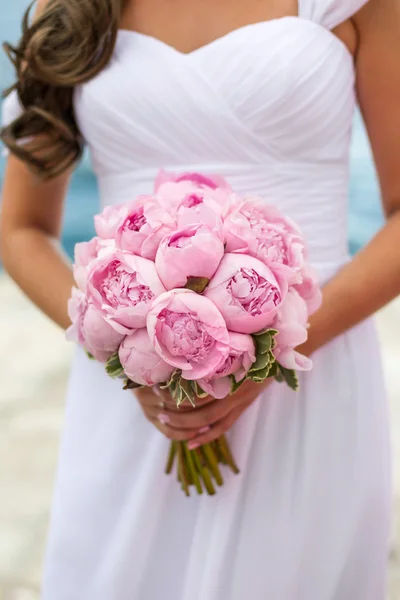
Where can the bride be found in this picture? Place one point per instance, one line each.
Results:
(262, 92)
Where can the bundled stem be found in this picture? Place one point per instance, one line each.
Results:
(226, 451)
(171, 457)
(182, 470)
(199, 468)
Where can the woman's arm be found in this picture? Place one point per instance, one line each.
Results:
(372, 279)
(30, 226)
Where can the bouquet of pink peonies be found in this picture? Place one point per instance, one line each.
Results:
(195, 289)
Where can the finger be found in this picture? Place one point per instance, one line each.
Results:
(162, 416)
(216, 430)
(192, 418)
(166, 400)
(151, 402)
(146, 394)
(187, 406)
(171, 405)
(153, 397)
(199, 418)
(163, 423)
(222, 426)
(162, 395)
(179, 435)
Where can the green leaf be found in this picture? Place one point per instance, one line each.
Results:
(181, 390)
(261, 375)
(178, 395)
(199, 392)
(175, 376)
(197, 284)
(268, 368)
(131, 385)
(272, 332)
(274, 369)
(113, 366)
(89, 355)
(236, 384)
(265, 341)
(289, 376)
(187, 391)
(262, 361)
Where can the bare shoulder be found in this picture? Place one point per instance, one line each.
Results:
(40, 4)
(378, 85)
(376, 14)
(378, 26)
(39, 7)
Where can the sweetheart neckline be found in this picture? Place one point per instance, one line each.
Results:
(232, 34)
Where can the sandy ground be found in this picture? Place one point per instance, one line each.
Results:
(34, 363)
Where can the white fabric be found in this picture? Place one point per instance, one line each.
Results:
(270, 107)
(329, 13)
(11, 109)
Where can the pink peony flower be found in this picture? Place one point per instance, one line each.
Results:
(77, 306)
(309, 289)
(89, 329)
(188, 332)
(198, 207)
(193, 197)
(246, 292)
(99, 334)
(191, 252)
(140, 361)
(85, 253)
(144, 225)
(253, 228)
(122, 288)
(291, 323)
(238, 362)
(107, 221)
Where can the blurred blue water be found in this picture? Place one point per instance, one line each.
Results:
(365, 216)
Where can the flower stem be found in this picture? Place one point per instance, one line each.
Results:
(171, 457)
(201, 466)
(203, 472)
(211, 460)
(192, 469)
(226, 451)
(182, 469)
(217, 450)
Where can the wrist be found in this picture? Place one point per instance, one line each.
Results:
(314, 340)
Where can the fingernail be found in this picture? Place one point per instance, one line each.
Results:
(204, 429)
(157, 391)
(164, 419)
(193, 445)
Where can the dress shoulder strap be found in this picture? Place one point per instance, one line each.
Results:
(329, 13)
(10, 109)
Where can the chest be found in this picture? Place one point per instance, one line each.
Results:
(280, 90)
(190, 24)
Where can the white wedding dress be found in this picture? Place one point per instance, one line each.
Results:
(270, 107)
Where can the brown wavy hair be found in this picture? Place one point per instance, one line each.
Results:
(67, 44)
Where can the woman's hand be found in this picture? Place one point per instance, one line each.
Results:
(158, 407)
(206, 422)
